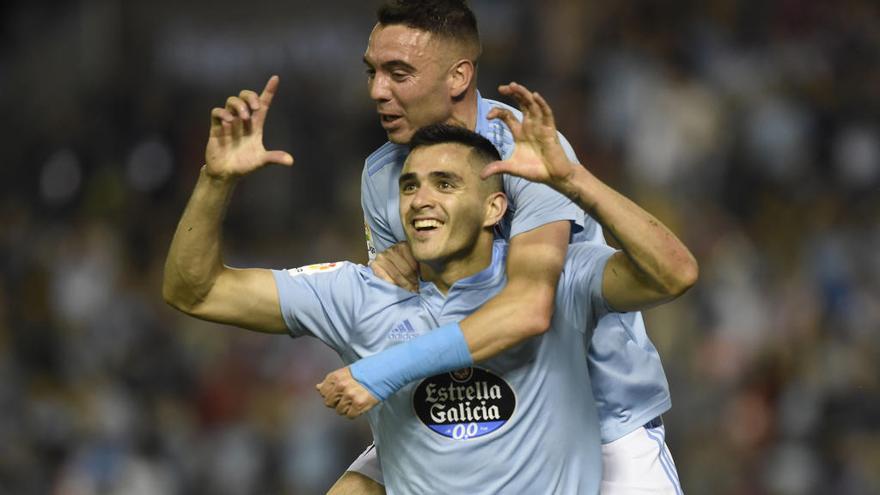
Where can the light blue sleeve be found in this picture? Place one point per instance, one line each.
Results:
(378, 232)
(321, 300)
(534, 204)
(581, 280)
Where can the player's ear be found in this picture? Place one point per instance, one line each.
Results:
(460, 77)
(496, 206)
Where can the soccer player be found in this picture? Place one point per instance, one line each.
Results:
(421, 62)
(522, 422)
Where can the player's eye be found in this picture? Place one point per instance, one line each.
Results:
(407, 188)
(399, 75)
(446, 185)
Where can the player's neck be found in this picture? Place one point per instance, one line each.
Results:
(464, 112)
(446, 272)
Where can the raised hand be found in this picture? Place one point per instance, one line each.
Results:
(538, 156)
(235, 144)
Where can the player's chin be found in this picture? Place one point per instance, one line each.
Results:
(423, 252)
(400, 135)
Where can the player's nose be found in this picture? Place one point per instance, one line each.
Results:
(422, 198)
(379, 89)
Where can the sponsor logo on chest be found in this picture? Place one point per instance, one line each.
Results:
(463, 404)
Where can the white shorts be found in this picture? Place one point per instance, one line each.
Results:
(637, 463)
(367, 464)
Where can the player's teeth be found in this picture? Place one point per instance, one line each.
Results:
(424, 224)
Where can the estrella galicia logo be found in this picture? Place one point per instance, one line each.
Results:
(463, 404)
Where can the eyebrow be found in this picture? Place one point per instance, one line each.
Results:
(409, 176)
(391, 65)
(451, 176)
(440, 174)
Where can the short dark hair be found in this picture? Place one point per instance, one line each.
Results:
(447, 133)
(448, 18)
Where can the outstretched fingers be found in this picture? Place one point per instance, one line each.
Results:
(535, 108)
(279, 157)
(546, 113)
(494, 168)
(269, 91)
(507, 117)
(525, 100)
(259, 103)
(235, 145)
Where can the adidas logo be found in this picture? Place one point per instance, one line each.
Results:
(402, 332)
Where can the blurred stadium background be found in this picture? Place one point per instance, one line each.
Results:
(750, 127)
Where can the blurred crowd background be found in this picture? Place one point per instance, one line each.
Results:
(750, 127)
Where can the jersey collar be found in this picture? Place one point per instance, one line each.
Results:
(483, 107)
(488, 277)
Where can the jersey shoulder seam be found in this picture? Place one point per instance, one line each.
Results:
(380, 158)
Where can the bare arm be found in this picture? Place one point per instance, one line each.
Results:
(525, 306)
(195, 279)
(197, 282)
(522, 309)
(655, 266)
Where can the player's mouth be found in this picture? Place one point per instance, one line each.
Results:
(424, 227)
(389, 120)
(422, 224)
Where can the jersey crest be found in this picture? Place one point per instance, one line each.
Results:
(371, 249)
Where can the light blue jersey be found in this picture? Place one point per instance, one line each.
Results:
(629, 384)
(531, 205)
(521, 422)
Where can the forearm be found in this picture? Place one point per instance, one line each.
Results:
(524, 307)
(660, 257)
(194, 259)
(517, 313)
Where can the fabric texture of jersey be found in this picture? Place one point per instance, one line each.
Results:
(629, 383)
(547, 442)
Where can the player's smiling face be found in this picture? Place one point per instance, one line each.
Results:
(408, 79)
(442, 203)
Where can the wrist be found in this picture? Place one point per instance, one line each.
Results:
(218, 178)
(440, 350)
(567, 184)
(578, 187)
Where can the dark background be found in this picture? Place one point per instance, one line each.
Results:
(749, 127)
